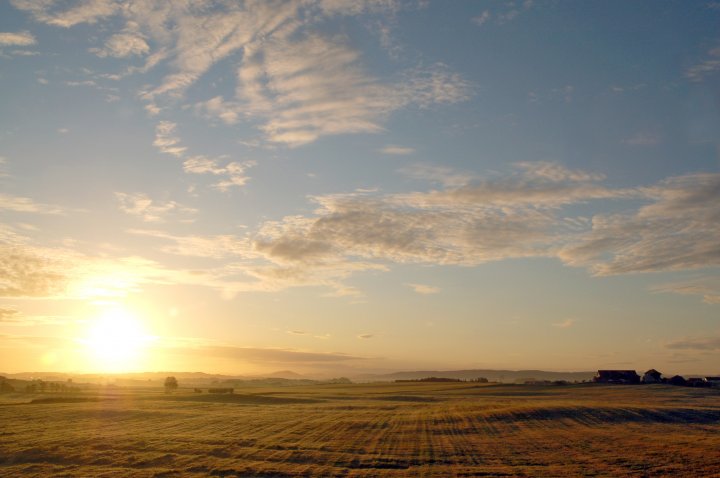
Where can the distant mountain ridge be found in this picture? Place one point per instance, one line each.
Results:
(289, 377)
(508, 376)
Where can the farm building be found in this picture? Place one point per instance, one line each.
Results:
(677, 380)
(652, 376)
(617, 376)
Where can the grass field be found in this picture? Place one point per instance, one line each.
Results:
(408, 429)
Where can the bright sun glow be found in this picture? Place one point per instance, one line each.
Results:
(116, 341)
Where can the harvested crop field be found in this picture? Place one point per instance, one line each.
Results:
(408, 429)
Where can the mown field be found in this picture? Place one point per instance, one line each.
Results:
(409, 429)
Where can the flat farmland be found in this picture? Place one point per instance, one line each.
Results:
(384, 430)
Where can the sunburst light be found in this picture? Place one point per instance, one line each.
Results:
(116, 341)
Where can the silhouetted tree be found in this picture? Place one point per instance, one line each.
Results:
(171, 384)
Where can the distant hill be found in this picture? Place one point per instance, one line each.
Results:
(289, 374)
(507, 376)
(288, 377)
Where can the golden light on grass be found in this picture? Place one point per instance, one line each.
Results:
(116, 341)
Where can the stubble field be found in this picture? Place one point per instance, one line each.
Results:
(393, 430)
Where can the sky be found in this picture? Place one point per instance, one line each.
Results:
(340, 187)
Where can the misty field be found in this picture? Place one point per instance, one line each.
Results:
(408, 429)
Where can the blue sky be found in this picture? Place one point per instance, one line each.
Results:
(339, 187)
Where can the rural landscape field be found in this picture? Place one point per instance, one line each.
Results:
(381, 429)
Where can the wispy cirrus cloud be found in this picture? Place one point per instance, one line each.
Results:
(233, 172)
(707, 67)
(214, 247)
(26, 205)
(244, 269)
(12, 316)
(522, 213)
(483, 18)
(481, 221)
(707, 287)
(710, 343)
(292, 83)
(8, 314)
(397, 150)
(123, 45)
(166, 139)
(17, 39)
(149, 210)
(677, 230)
(316, 87)
(512, 216)
(448, 177)
(503, 13)
(84, 11)
(25, 272)
(424, 289)
(64, 273)
(470, 222)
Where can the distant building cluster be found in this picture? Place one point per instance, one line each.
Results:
(652, 376)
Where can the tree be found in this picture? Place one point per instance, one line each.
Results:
(171, 384)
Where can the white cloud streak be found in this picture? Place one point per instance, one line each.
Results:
(318, 88)
(565, 324)
(123, 45)
(707, 67)
(214, 247)
(707, 287)
(26, 205)
(397, 150)
(424, 289)
(17, 39)
(86, 11)
(166, 139)
(233, 172)
(149, 210)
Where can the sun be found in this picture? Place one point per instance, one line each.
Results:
(116, 341)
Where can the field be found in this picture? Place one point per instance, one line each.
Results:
(408, 429)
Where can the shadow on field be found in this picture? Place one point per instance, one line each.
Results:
(404, 398)
(46, 400)
(242, 399)
(599, 415)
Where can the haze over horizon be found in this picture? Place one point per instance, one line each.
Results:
(343, 187)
